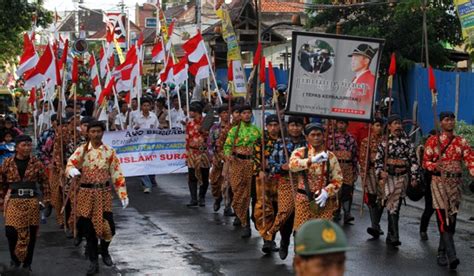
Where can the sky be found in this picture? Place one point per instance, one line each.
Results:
(62, 5)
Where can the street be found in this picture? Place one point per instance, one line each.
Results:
(158, 235)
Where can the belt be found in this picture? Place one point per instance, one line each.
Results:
(301, 191)
(202, 148)
(242, 156)
(397, 174)
(344, 161)
(95, 185)
(448, 174)
(22, 185)
(22, 193)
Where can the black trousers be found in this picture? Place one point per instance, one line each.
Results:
(86, 227)
(193, 184)
(12, 237)
(429, 211)
(286, 230)
(446, 234)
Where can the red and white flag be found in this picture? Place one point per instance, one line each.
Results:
(200, 70)
(180, 71)
(95, 76)
(166, 75)
(29, 58)
(195, 48)
(45, 70)
(128, 71)
(107, 92)
(158, 52)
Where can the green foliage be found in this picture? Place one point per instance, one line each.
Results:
(15, 18)
(467, 131)
(400, 25)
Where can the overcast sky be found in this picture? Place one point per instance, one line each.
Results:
(107, 5)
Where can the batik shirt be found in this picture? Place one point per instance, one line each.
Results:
(67, 136)
(247, 137)
(344, 142)
(98, 166)
(458, 150)
(278, 157)
(400, 148)
(196, 147)
(267, 151)
(374, 142)
(45, 146)
(217, 137)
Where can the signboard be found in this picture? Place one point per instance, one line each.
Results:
(149, 151)
(465, 10)
(150, 22)
(333, 76)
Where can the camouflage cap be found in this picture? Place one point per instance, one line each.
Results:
(318, 236)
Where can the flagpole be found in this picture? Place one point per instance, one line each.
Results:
(169, 106)
(187, 98)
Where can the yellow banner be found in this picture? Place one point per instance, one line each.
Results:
(119, 51)
(228, 33)
(465, 9)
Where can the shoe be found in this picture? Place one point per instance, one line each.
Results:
(237, 222)
(228, 212)
(14, 264)
(442, 260)
(107, 260)
(275, 247)
(393, 243)
(423, 236)
(283, 251)
(246, 232)
(202, 202)
(69, 234)
(193, 203)
(348, 218)
(147, 190)
(93, 268)
(267, 247)
(217, 204)
(373, 232)
(77, 240)
(454, 264)
(27, 269)
(337, 217)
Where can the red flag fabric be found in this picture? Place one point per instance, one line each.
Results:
(171, 28)
(45, 70)
(110, 35)
(431, 79)
(29, 58)
(195, 48)
(157, 53)
(200, 70)
(107, 91)
(392, 70)
(180, 71)
(75, 70)
(258, 53)
(127, 98)
(165, 75)
(230, 71)
(262, 69)
(32, 98)
(64, 54)
(271, 76)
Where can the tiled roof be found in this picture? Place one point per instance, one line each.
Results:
(275, 6)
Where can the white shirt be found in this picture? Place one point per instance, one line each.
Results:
(176, 117)
(146, 122)
(45, 119)
(121, 120)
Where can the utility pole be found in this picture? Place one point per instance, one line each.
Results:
(198, 14)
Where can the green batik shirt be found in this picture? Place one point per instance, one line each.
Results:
(248, 135)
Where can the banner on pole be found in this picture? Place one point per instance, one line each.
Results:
(333, 76)
(149, 151)
(465, 10)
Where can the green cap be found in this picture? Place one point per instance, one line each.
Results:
(320, 236)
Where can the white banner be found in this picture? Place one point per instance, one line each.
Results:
(149, 151)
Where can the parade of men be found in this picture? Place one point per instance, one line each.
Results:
(236, 137)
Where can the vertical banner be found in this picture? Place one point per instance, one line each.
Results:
(333, 76)
(233, 52)
(118, 20)
(465, 9)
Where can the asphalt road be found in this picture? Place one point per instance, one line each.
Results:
(159, 235)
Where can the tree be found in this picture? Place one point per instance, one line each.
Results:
(401, 25)
(16, 17)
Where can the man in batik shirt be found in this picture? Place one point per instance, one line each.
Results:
(239, 152)
(266, 194)
(20, 175)
(319, 178)
(344, 146)
(446, 182)
(279, 168)
(216, 140)
(395, 171)
(373, 195)
(95, 164)
(197, 156)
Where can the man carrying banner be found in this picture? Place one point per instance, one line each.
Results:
(319, 179)
(197, 156)
(239, 152)
(396, 166)
(443, 157)
(95, 164)
(20, 175)
(374, 195)
(266, 201)
(279, 168)
(217, 137)
(344, 146)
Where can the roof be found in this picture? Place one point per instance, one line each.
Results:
(91, 21)
(289, 6)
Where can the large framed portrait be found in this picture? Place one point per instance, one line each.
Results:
(333, 76)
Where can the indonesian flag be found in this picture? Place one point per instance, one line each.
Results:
(157, 53)
(95, 76)
(180, 71)
(167, 74)
(200, 70)
(106, 57)
(195, 48)
(107, 92)
(128, 71)
(29, 58)
(45, 70)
